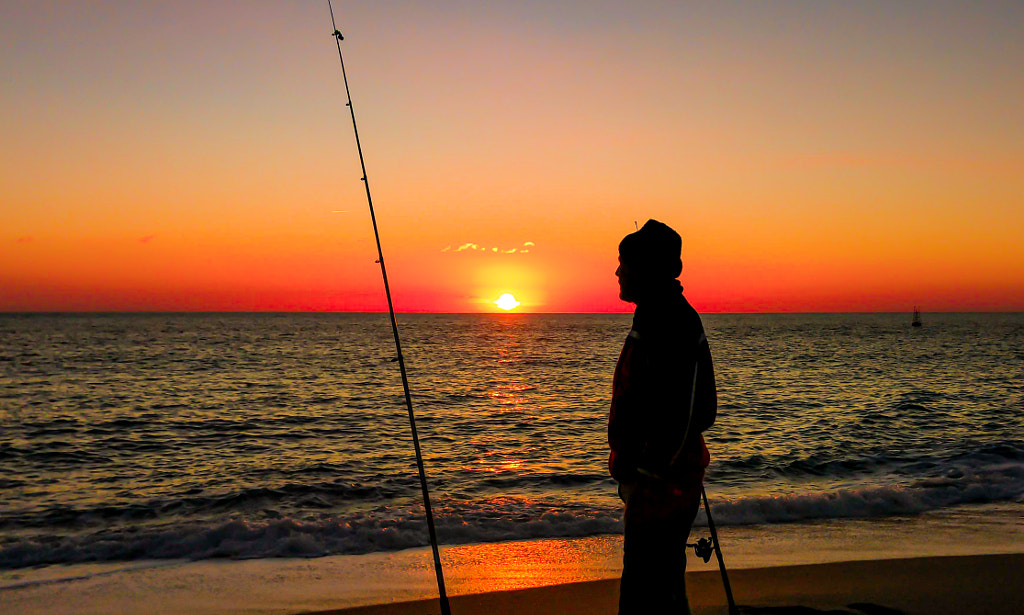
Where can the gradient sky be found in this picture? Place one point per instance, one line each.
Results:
(815, 156)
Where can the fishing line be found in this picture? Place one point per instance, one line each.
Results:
(445, 608)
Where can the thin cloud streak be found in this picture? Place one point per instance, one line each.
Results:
(493, 250)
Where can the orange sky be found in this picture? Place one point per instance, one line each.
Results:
(814, 156)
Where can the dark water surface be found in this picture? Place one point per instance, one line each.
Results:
(257, 435)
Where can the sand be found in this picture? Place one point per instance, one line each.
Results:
(918, 586)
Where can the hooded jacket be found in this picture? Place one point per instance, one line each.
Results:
(651, 393)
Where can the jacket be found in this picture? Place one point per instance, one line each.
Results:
(651, 392)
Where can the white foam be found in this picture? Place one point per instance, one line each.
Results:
(494, 520)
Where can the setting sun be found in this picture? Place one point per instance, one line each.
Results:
(506, 302)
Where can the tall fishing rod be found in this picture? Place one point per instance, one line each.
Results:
(445, 607)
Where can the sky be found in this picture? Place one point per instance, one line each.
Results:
(814, 156)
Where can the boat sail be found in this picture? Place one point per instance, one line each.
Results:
(917, 317)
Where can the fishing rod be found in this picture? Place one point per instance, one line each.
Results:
(718, 551)
(445, 607)
(703, 547)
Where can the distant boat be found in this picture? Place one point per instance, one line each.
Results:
(917, 318)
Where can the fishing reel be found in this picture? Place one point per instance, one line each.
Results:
(703, 549)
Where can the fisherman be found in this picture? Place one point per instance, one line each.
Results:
(658, 455)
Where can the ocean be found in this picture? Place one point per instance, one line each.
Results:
(204, 438)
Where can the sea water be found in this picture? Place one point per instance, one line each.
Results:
(148, 440)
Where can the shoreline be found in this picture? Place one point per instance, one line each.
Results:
(549, 572)
(923, 585)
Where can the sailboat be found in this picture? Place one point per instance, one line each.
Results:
(917, 318)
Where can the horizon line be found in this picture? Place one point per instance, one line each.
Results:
(510, 313)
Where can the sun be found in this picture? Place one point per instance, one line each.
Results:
(506, 302)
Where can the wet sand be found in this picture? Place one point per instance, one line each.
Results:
(918, 586)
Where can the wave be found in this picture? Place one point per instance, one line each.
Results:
(260, 501)
(836, 463)
(386, 529)
(391, 528)
(871, 502)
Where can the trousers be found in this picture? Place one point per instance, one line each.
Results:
(657, 525)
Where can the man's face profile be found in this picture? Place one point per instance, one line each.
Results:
(627, 282)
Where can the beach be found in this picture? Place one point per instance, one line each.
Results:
(933, 563)
(930, 585)
(914, 586)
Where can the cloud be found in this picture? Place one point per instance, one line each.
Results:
(147, 238)
(25, 239)
(495, 250)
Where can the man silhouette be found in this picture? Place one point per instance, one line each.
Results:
(658, 455)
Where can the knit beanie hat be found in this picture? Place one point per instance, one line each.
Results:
(653, 251)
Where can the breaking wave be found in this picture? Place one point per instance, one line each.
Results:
(392, 528)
